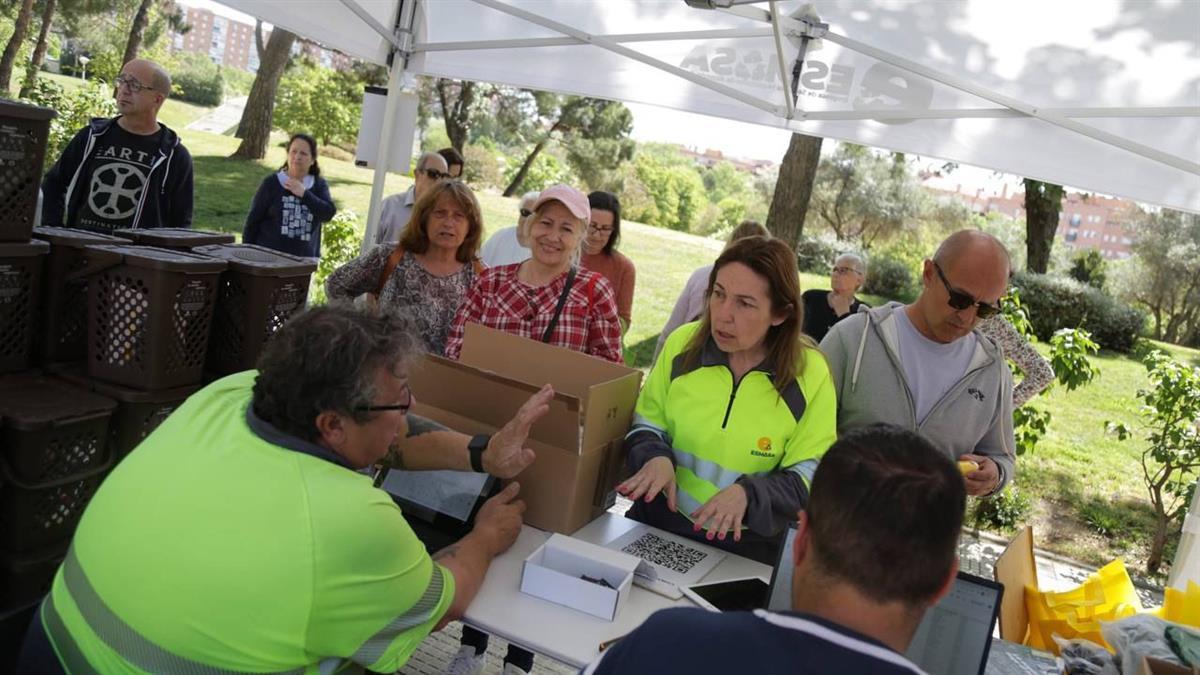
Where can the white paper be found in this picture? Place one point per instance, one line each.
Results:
(666, 557)
(453, 493)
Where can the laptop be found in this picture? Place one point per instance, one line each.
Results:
(954, 637)
(440, 506)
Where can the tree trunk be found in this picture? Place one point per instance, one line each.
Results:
(136, 31)
(1043, 201)
(39, 52)
(794, 188)
(456, 114)
(255, 125)
(1154, 560)
(520, 177)
(20, 28)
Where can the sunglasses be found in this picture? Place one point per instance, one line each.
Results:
(963, 301)
(434, 174)
(402, 407)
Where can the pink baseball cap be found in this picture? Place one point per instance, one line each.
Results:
(575, 201)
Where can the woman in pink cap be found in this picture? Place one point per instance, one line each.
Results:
(548, 297)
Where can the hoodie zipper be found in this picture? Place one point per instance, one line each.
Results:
(732, 395)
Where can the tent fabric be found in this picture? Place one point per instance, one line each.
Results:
(1127, 68)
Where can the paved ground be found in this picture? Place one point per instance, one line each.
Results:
(977, 555)
(225, 117)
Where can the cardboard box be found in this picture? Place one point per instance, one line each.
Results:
(556, 569)
(578, 443)
(1153, 666)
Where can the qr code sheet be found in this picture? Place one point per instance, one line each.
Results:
(665, 553)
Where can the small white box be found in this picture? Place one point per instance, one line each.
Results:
(554, 572)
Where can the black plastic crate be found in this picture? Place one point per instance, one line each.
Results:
(24, 130)
(26, 577)
(34, 516)
(175, 238)
(50, 429)
(20, 295)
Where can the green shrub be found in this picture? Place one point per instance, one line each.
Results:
(1029, 426)
(196, 79)
(816, 256)
(1069, 350)
(1089, 267)
(1057, 302)
(1005, 511)
(75, 110)
(890, 278)
(339, 245)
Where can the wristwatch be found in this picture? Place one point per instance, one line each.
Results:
(475, 449)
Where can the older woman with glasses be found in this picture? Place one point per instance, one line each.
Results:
(823, 308)
(600, 252)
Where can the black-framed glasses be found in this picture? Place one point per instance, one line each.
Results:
(131, 82)
(525, 213)
(434, 174)
(592, 227)
(962, 301)
(845, 270)
(402, 407)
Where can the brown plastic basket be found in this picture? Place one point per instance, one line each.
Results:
(26, 577)
(23, 133)
(260, 290)
(20, 293)
(64, 300)
(138, 413)
(34, 516)
(175, 238)
(50, 429)
(149, 313)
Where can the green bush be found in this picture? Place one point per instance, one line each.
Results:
(1005, 511)
(816, 256)
(890, 278)
(319, 101)
(1057, 302)
(1089, 267)
(339, 245)
(75, 110)
(196, 79)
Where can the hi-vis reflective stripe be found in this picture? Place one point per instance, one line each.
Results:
(72, 660)
(710, 471)
(118, 635)
(374, 648)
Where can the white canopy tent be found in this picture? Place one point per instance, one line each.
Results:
(1101, 95)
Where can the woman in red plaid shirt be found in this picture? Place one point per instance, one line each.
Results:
(548, 297)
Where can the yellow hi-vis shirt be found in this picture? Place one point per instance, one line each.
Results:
(210, 549)
(720, 430)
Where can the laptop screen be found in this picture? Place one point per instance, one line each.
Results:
(779, 597)
(454, 495)
(956, 634)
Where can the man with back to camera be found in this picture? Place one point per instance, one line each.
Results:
(396, 209)
(876, 547)
(923, 366)
(129, 171)
(241, 536)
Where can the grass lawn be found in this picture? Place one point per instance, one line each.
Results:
(1089, 500)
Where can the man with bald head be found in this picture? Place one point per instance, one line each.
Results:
(431, 168)
(924, 367)
(130, 171)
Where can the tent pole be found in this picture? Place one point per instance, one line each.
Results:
(524, 43)
(400, 54)
(783, 66)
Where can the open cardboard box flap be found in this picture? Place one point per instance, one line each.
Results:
(577, 442)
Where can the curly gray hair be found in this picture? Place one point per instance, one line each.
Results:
(326, 359)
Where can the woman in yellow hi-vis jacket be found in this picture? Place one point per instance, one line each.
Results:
(736, 411)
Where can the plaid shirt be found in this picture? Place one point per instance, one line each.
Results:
(500, 300)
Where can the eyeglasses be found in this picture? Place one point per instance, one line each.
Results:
(131, 82)
(845, 270)
(525, 213)
(962, 301)
(434, 174)
(596, 229)
(402, 407)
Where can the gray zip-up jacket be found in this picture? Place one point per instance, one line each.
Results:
(974, 417)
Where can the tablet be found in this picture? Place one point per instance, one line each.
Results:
(733, 595)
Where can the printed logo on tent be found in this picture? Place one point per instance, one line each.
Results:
(877, 87)
(115, 190)
(297, 219)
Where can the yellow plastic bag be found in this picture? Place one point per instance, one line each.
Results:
(1182, 607)
(1107, 595)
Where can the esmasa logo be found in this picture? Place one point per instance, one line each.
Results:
(763, 449)
(879, 86)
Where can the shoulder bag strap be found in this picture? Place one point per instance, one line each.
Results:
(562, 300)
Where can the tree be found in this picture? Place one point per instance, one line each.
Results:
(255, 126)
(39, 51)
(319, 101)
(576, 117)
(459, 104)
(1171, 458)
(1043, 201)
(863, 196)
(20, 28)
(1164, 274)
(1089, 267)
(141, 20)
(794, 188)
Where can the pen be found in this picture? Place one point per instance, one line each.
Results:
(608, 643)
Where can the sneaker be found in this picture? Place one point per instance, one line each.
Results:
(512, 669)
(465, 662)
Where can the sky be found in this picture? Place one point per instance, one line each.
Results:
(734, 139)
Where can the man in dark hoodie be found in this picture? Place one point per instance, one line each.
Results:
(130, 171)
